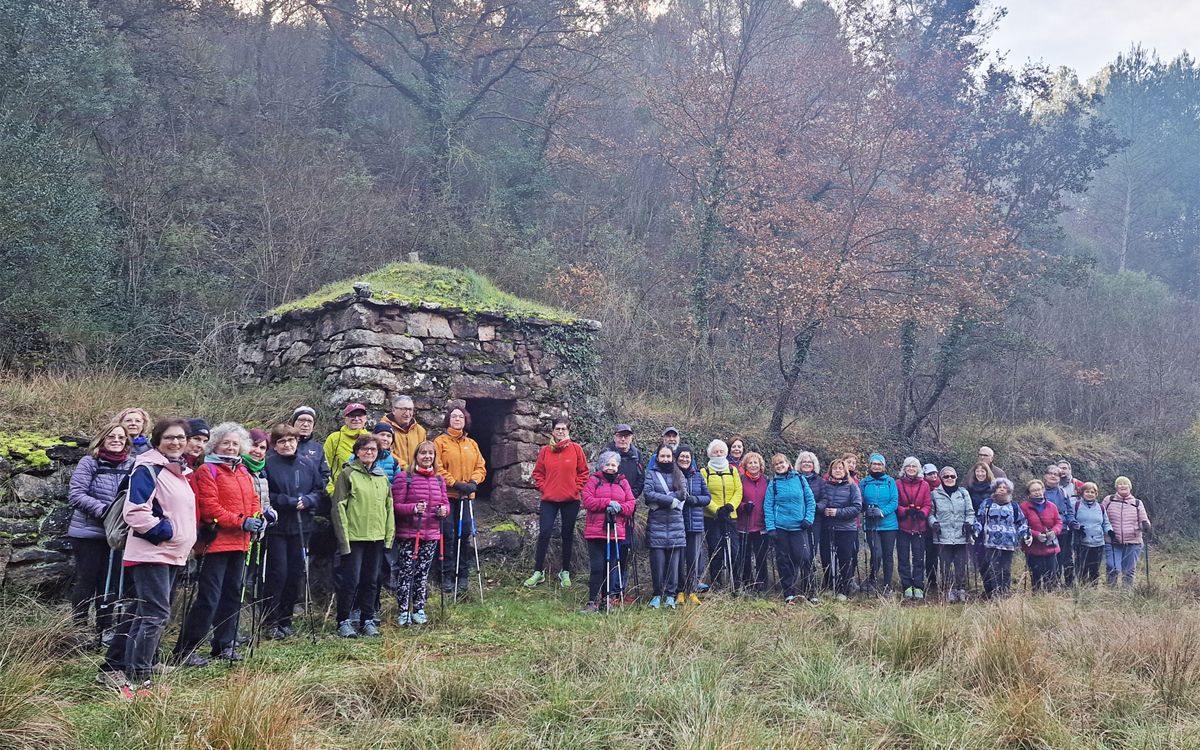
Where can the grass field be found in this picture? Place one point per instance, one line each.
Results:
(1096, 669)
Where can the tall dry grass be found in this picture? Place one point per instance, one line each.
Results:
(33, 641)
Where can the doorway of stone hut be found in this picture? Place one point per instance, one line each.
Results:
(488, 416)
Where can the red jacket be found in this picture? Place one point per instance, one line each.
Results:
(227, 496)
(753, 491)
(597, 494)
(560, 472)
(410, 489)
(1047, 520)
(914, 506)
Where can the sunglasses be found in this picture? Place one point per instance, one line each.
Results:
(949, 476)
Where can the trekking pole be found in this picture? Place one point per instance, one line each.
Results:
(617, 545)
(608, 535)
(237, 617)
(412, 581)
(729, 562)
(475, 544)
(308, 609)
(1146, 546)
(458, 546)
(441, 562)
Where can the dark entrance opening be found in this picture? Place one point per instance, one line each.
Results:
(488, 416)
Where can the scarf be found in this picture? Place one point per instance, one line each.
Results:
(876, 474)
(423, 471)
(560, 446)
(833, 481)
(754, 477)
(231, 461)
(719, 464)
(252, 465)
(664, 467)
(981, 487)
(950, 488)
(112, 458)
(139, 440)
(611, 478)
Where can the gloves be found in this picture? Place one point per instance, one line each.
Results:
(748, 508)
(725, 510)
(1026, 540)
(873, 511)
(442, 511)
(465, 488)
(1051, 539)
(968, 530)
(270, 515)
(1075, 526)
(805, 525)
(614, 508)
(676, 504)
(1112, 537)
(937, 527)
(253, 525)
(770, 534)
(1145, 525)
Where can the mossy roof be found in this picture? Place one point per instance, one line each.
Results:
(415, 283)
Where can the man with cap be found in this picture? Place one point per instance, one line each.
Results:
(407, 434)
(339, 446)
(986, 456)
(308, 447)
(670, 436)
(631, 468)
(197, 441)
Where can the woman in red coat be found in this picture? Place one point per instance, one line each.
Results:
(1045, 524)
(560, 473)
(609, 503)
(421, 502)
(227, 499)
(913, 513)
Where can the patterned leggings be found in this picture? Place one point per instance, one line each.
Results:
(411, 577)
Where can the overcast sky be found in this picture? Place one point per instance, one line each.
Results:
(1086, 34)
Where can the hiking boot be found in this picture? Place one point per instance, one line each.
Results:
(403, 619)
(591, 609)
(162, 669)
(533, 580)
(274, 634)
(614, 602)
(694, 599)
(628, 599)
(789, 599)
(194, 660)
(814, 599)
(419, 617)
(679, 599)
(287, 630)
(229, 653)
(106, 638)
(962, 596)
(370, 629)
(670, 602)
(346, 629)
(918, 594)
(908, 593)
(447, 585)
(564, 579)
(115, 679)
(701, 587)
(656, 602)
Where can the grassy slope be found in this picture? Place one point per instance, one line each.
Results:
(421, 282)
(1105, 670)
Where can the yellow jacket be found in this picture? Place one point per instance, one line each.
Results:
(405, 442)
(459, 460)
(339, 448)
(724, 487)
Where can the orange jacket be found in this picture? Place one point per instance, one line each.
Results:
(227, 496)
(459, 460)
(561, 472)
(405, 442)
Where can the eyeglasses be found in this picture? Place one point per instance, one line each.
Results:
(166, 438)
(285, 440)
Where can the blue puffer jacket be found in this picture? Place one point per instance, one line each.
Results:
(697, 500)
(883, 494)
(93, 488)
(664, 526)
(291, 479)
(1093, 523)
(845, 498)
(789, 502)
(1066, 508)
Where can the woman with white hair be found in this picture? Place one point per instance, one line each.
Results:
(609, 504)
(227, 501)
(913, 513)
(724, 483)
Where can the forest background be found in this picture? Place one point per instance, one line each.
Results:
(841, 224)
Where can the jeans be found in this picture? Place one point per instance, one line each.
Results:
(122, 621)
(358, 580)
(997, 570)
(716, 532)
(883, 554)
(931, 558)
(690, 562)
(911, 550)
(1087, 565)
(840, 547)
(1066, 555)
(602, 554)
(793, 556)
(153, 583)
(285, 570)
(547, 513)
(664, 570)
(459, 552)
(953, 560)
(97, 574)
(218, 603)
(411, 577)
(752, 570)
(1123, 559)
(1043, 571)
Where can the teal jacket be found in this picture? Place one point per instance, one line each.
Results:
(788, 502)
(883, 494)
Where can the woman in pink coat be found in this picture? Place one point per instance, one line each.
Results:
(609, 503)
(421, 502)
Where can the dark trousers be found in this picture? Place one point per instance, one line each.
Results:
(96, 565)
(839, 555)
(882, 545)
(459, 552)
(910, 548)
(285, 571)
(358, 580)
(217, 603)
(664, 570)
(122, 621)
(952, 559)
(601, 555)
(690, 562)
(153, 584)
(1042, 571)
(1087, 565)
(547, 514)
(997, 570)
(411, 577)
(716, 532)
(931, 558)
(793, 556)
(617, 585)
(1066, 557)
(752, 572)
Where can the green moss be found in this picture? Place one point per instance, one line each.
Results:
(414, 283)
(28, 448)
(508, 526)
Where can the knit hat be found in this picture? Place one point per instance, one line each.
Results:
(910, 461)
(301, 411)
(929, 469)
(684, 447)
(197, 426)
(381, 427)
(877, 457)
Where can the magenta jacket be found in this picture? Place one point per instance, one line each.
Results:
(597, 494)
(753, 491)
(914, 506)
(410, 489)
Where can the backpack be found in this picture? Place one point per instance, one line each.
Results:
(116, 530)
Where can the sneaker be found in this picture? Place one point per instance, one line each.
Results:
(670, 602)
(918, 594)
(614, 602)
(533, 580)
(694, 599)
(701, 587)
(287, 630)
(840, 598)
(229, 653)
(679, 598)
(419, 617)
(656, 602)
(403, 619)
(370, 629)
(115, 679)
(346, 629)
(274, 634)
(789, 599)
(194, 660)
(908, 593)
(564, 579)
(962, 596)
(591, 609)
(814, 599)
(162, 669)
(106, 638)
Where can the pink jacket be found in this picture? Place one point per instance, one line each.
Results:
(169, 508)
(406, 493)
(1126, 517)
(597, 494)
(753, 491)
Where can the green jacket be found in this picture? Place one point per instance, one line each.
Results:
(362, 507)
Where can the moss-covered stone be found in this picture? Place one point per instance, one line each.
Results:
(28, 449)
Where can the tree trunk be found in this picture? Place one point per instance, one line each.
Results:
(1123, 254)
(802, 342)
(950, 357)
(335, 69)
(908, 366)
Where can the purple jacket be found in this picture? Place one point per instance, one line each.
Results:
(93, 489)
(407, 491)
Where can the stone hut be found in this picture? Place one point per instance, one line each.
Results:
(513, 370)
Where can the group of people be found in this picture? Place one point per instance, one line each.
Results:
(716, 524)
(236, 509)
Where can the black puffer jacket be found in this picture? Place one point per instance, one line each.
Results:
(290, 479)
(664, 528)
(844, 497)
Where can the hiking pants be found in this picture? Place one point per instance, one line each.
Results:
(953, 559)
(664, 570)
(217, 604)
(358, 580)
(882, 545)
(690, 562)
(911, 550)
(410, 578)
(1122, 559)
(716, 531)
(153, 583)
(841, 546)
(997, 570)
(547, 514)
(285, 572)
(1087, 565)
(96, 565)
(601, 555)
(457, 550)
(1066, 557)
(793, 556)
(1042, 571)
(752, 572)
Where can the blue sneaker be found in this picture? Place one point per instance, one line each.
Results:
(655, 602)
(403, 619)
(419, 617)
(670, 600)
(701, 587)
